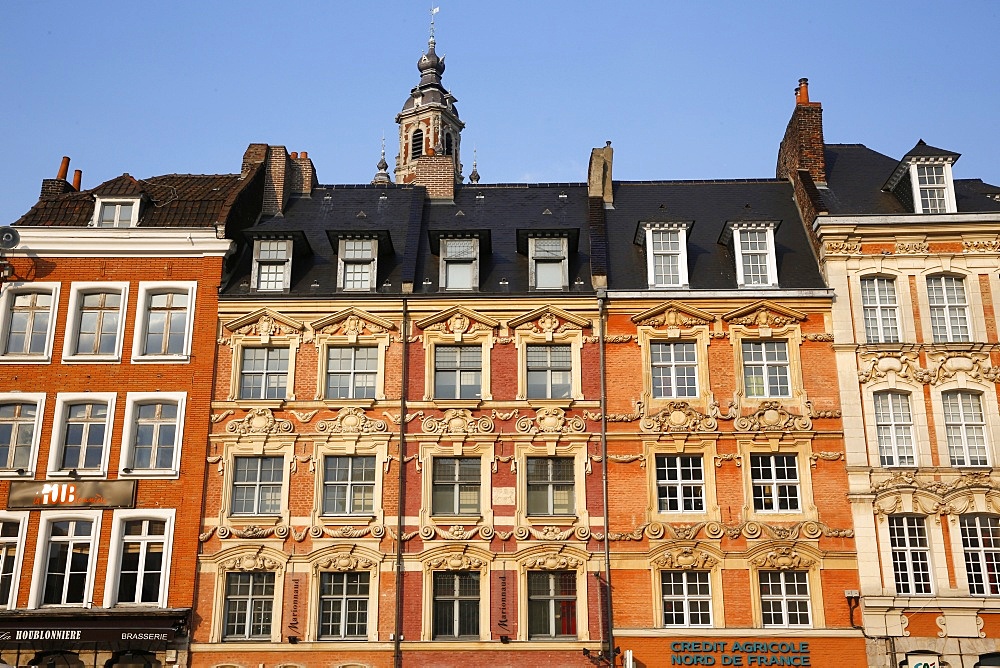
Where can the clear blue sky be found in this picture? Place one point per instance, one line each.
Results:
(684, 90)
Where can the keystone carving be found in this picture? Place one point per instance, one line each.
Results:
(686, 559)
(458, 421)
(351, 420)
(259, 421)
(550, 420)
(772, 417)
(783, 559)
(678, 416)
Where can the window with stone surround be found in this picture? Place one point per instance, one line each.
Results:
(784, 599)
(687, 598)
(981, 545)
(27, 320)
(881, 310)
(910, 555)
(343, 605)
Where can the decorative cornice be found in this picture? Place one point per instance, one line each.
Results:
(912, 248)
(983, 246)
(945, 365)
(550, 420)
(259, 421)
(841, 248)
(456, 532)
(351, 420)
(458, 421)
(771, 416)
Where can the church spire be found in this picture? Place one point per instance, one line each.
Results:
(382, 176)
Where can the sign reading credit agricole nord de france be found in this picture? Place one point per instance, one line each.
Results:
(32, 495)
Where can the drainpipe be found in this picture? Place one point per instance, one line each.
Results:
(397, 650)
(601, 297)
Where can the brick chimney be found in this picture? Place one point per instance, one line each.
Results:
(303, 174)
(276, 186)
(58, 185)
(599, 175)
(802, 146)
(436, 173)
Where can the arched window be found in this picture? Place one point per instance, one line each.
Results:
(417, 144)
(449, 147)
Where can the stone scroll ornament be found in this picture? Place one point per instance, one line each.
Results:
(550, 420)
(457, 421)
(771, 416)
(259, 421)
(351, 420)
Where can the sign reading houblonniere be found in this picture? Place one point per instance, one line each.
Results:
(38, 495)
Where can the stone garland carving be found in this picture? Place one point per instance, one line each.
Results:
(458, 421)
(912, 247)
(353, 326)
(259, 421)
(548, 323)
(550, 532)
(686, 559)
(989, 246)
(217, 459)
(456, 532)
(821, 336)
(283, 531)
(719, 335)
(351, 420)
(457, 562)
(825, 456)
(502, 458)
(842, 248)
(394, 417)
(939, 487)
(248, 562)
(772, 417)
(945, 366)
(457, 324)
(783, 559)
(553, 562)
(503, 417)
(222, 416)
(715, 411)
(674, 317)
(612, 338)
(617, 417)
(813, 413)
(265, 326)
(550, 420)
(504, 340)
(344, 562)
(764, 317)
(623, 459)
(728, 457)
(678, 416)
(405, 536)
(390, 458)
(304, 416)
(809, 529)
(293, 465)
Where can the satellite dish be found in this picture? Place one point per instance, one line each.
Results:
(8, 238)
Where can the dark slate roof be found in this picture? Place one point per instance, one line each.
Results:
(173, 200)
(855, 175)
(709, 206)
(922, 149)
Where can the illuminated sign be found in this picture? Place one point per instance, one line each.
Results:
(39, 495)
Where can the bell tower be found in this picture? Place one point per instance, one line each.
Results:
(428, 123)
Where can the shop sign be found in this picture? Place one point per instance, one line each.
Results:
(42, 495)
(710, 652)
(85, 635)
(922, 660)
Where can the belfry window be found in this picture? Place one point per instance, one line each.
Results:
(417, 144)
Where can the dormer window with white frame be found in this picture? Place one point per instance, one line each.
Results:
(272, 265)
(548, 268)
(116, 213)
(753, 247)
(666, 254)
(357, 264)
(459, 263)
(923, 180)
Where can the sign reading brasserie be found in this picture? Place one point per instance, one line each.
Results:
(86, 635)
(41, 495)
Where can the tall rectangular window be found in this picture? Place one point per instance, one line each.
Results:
(965, 426)
(550, 372)
(166, 324)
(675, 369)
(551, 485)
(257, 483)
(894, 424)
(348, 485)
(933, 189)
(551, 604)
(460, 264)
(272, 259)
(456, 486)
(155, 437)
(141, 570)
(97, 333)
(17, 435)
(775, 480)
(680, 484)
(67, 562)
(351, 372)
(248, 607)
(949, 309)
(9, 558)
(981, 544)
(910, 554)
(83, 437)
(687, 598)
(458, 372)
(357, 264)
(881, 312)
(549, 263)
(666, 257)
(264, 373)
(765, 369)
(28, 323)
(456, 605)
(784, 598)
(343, 605)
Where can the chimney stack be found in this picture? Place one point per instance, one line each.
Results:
(302, 178)
(77, 179)
(599, 175)
(802, 147)
(436, 173)
(58, 185)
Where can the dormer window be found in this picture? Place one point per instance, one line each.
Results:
(357, 264)
(116, 214)
(666, 254)
(272, 264)
(548, 268)
(923, 180)
(753, 247)
(460, 264)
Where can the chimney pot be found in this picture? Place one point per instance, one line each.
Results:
(304, 155)
(802, 92)
(77, 179)
(63, 168)
(295, 155)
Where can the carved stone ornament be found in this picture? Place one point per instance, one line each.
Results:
(375, 531)
(764, 314)
(783, 559)
(678, 416)
(457, 421)
(554, 562)
(456, 562)
(550, 420)
(673, 314)
(548, 320)
(772, 417)
(985, 246)
(458, 324)
(259, 421)
(351, 420)
(344, 562)
(841, 248)
(250, 562)
(264, 323)
(352, 324)
(686, 559)
(907, 479)
(809, 529)
(456, 532)
(876, 366)
(912, 248)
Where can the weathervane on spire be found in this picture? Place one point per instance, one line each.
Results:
(434, 10)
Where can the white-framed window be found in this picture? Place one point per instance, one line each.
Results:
(784, 598)
(775, 481)
(765, 369)
(96, 322)
(139, 557)
(257, 485)
(753, 246)
(911, 563)
(965, 427)
(164, 320)
(20, 428)
(154, 424)
(666, 254)
(459, 264)
(550, 371)
(933, 191)
(65, 559)
(551, 484)
(264, 373)
(894, 426)
(687, 598)
(456, 605)
(680, 483)
(674, 369)
(351, 372)
(881, 310)
(272, 265)
(116, 213)
(456, 486)
(28, 318)
(949, 309)
(343, 605)
(81, 434)
(249, 605)
(548, 263)
(12, 528)
(357, 264)
(458, 372)
(348, 485)
(981, 545)
(551, 604)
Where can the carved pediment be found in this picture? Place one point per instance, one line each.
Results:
(673, 314)
(772, 417)
(259, 421)
(250, 562)
(457, 421)
(264, 323)
(457, 320)
(548, 320)
(764, 313)
(553, 562)
(550, 420)
(344, 562)
(783, 559)
(678, 416)
(351, 420)
(352, 322)
(686, 559)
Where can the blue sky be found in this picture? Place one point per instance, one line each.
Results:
(691, 90)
